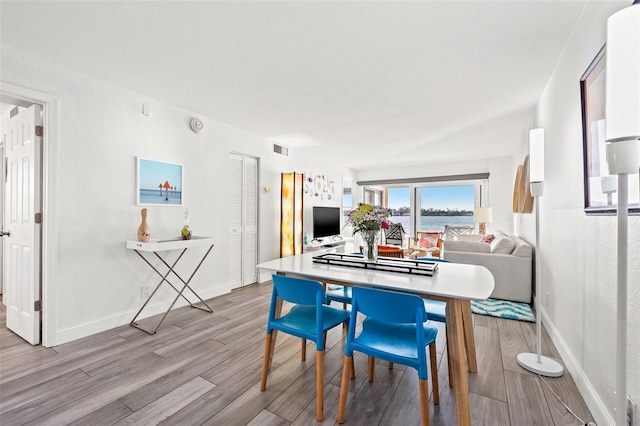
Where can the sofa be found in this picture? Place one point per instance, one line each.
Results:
(507, 257)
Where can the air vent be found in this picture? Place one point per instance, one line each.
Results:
(279, 149)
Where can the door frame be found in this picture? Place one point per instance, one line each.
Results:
(49, 240)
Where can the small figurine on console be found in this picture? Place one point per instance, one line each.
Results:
(186, 231)
(143, 230)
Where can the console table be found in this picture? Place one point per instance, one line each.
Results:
(160, 245)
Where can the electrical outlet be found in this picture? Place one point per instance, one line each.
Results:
(145, 291)
(631, 412)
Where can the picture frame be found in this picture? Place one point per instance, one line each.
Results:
(158, 183)
(600, 187)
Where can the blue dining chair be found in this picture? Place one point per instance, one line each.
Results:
(341, 294)
(309, 318)
(435, 308)
(394, 330)
(436, 311)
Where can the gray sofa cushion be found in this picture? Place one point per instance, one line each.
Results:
(467, 246)
(502, 244)
(522, 249)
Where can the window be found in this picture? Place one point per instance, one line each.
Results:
(600, 187)
(372, 196)
(444, 205)
(399, 201)
(433, 201)
(346, 201)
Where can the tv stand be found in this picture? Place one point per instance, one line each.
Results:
(335, 243)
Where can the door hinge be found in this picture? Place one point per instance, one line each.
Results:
(37, 306)
(38, 218)
(39, 130)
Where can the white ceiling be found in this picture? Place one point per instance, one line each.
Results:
(378, 83)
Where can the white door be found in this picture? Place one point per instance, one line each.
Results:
(21, 268)
(243, 220)
(250, 222)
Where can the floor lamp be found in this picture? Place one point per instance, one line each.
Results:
(622, 109)
(536, 363)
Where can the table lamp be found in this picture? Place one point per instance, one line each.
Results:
(482, 215)
(622, 112)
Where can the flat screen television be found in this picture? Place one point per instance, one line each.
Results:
(326, 221)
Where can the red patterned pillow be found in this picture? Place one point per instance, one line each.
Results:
(425, 242)
(488, 238)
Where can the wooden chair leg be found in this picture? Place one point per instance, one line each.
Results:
(303, 350)
(449, 362)
(372, 364)
(265, 361)
(346, 366)
(353, 368)
(433, 360)
(320, 385)
(424, 401)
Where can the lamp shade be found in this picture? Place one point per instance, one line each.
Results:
(623, 75)
(536, 155)
(482, 215)
(623, 91)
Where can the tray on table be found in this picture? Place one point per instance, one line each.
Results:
(390, 264)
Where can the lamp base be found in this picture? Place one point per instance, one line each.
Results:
(546, 366)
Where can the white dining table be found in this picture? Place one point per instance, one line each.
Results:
(454, 283)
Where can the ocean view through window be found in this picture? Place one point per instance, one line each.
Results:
(438, 206)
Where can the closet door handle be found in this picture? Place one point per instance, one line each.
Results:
(2, 233)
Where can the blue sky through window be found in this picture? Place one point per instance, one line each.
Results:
(459, 197)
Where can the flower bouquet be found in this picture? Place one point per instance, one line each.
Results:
(368, 220)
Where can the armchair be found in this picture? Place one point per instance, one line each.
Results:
(395, 235)
(428, 243)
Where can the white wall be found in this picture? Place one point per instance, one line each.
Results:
(91, 174)
(579, 251)
(500, 191)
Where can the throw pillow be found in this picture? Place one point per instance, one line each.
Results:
(502, 244)
(425, 242)
(488, 238)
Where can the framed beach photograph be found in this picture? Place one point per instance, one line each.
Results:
(159, 183)
(600, 187)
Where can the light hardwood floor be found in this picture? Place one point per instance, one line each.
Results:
(204, 369)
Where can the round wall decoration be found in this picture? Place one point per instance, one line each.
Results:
(527, 200)
(522, 199)
(517, 188)
(196, 125)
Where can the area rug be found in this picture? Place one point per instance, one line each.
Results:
(503, 309)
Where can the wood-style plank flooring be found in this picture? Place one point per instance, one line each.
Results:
(204, 369)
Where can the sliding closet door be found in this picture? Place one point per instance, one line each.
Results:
(243, 220)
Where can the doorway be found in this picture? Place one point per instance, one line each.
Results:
(243, 219)
(21, 216)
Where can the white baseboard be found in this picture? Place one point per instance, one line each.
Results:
(89, 328)
(598, 409)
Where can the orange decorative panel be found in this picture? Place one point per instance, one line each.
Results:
(291, 210)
